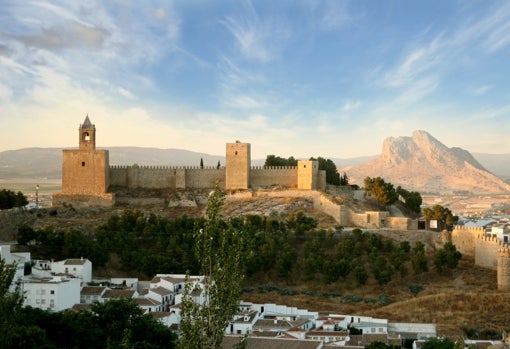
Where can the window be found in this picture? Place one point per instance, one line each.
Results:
(83, 164)
(86, 136)
(52, 292)
(37, 301)
(43, 292)
(43, 301)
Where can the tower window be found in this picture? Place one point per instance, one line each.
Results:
(83, 163)
(235, 152)
(86, 136)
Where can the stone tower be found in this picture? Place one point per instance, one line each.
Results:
(238, 163)
(504, 269)
(85, 172)
(308, 174)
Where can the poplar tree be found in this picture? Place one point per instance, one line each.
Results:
(10, 302)
(218, 248)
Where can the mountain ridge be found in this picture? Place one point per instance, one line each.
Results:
(424, 164)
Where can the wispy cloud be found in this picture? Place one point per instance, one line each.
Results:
(350, 105)
(336, 15)
(245, 102)
(68, 35)
(481, 90)
(258, 38)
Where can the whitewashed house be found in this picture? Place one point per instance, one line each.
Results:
(160, 294)
(92, 294)
(77, 267)
(243, 323)
(55, 293)
(149, 305)
(502, 232)
(17, 260)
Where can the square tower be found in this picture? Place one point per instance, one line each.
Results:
(238, 163)
(308, 173)
(85, 171)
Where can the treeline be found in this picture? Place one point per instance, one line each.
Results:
(386, 194)
(10, 199)
(292, 249)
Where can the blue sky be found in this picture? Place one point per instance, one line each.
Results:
(291, 77)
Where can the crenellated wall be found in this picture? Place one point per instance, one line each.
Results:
(286, 176)
(464, 239)
(150, 177)
(486, 251)
(157, 177)
(202, 178)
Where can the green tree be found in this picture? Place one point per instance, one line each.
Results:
(276, 161)
(201, 163)
(361, 274)
(218, 248)
(218, 165)
(381, 345)
(344, 180)
(10, 303)
(412, 199)
(418, 260)
(383, 192)
(447, 256)
(442, 215)
(9, 199)
(438, 343)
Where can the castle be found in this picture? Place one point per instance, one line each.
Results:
(88, 178)
(487, 251)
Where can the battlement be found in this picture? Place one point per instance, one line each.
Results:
(276, 168)
(463, 228)
(504, 251)
(162, 167)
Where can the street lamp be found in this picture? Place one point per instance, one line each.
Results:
(37, 196)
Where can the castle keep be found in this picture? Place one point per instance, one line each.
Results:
(88, 179)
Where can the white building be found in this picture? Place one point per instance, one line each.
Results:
(55, 293)
(77, 267)
(17, 260)
(92, 294)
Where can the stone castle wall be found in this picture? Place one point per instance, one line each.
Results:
(465, 238)
(158, 177)
(504, 269)
(400, 223)
(272, 176)
(486, 251)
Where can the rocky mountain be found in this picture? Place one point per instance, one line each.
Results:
(424, 164)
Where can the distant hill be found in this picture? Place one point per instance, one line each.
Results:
(424, 164)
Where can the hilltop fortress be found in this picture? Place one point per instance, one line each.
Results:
(87, 177)
(487, 251)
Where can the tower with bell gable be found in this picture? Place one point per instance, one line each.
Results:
(85, 171)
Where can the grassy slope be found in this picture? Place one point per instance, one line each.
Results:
(467, 297)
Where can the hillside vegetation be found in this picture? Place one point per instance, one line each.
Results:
(293, 257)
